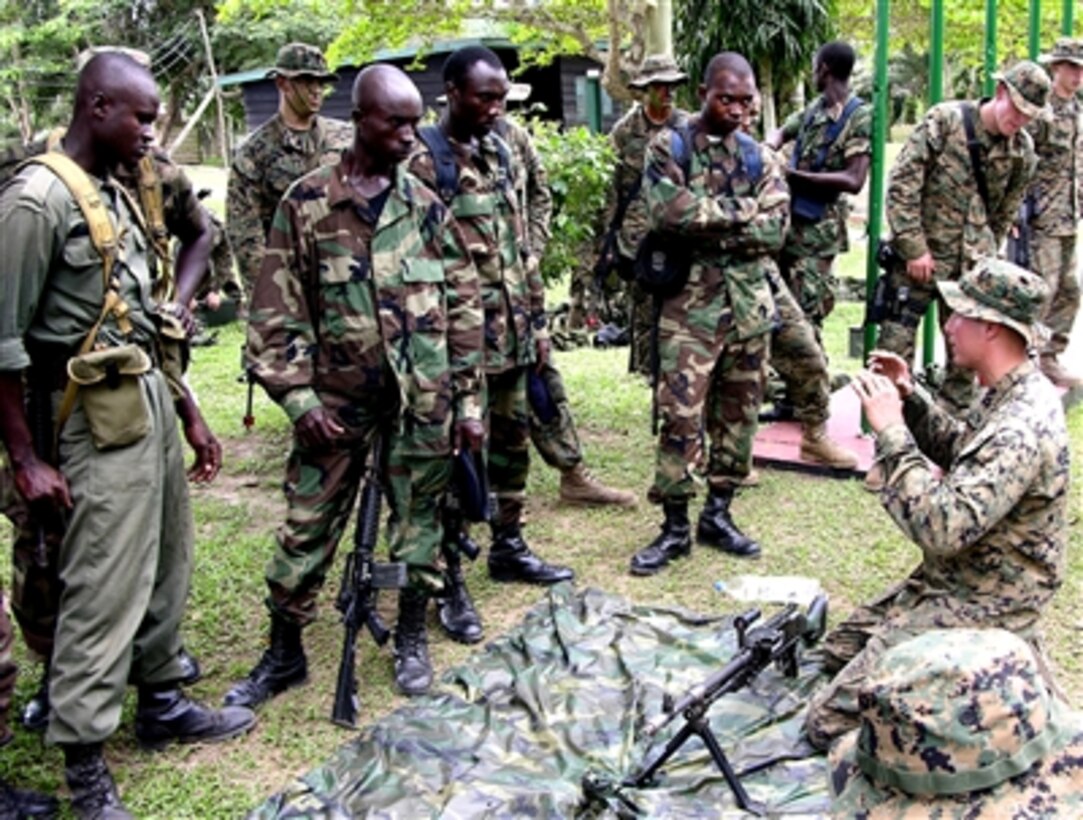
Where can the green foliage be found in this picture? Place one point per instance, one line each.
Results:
(580, 168)
(248, 34)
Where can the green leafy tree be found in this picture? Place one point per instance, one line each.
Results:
(779, 38)
(580, 169)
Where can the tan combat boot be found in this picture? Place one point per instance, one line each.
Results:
(1058, 373)
(578, 486)
(817, 446)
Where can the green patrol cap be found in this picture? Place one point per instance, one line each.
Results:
(959, 723)
(1028, 85)
(1065, 50)
(995, 290)
(658, 68)
(301, 60)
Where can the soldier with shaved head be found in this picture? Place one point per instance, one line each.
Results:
(365, 319)
(77, 315)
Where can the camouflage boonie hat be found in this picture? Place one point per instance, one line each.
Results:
(995, 290)
(959, 723)
(301, 60)
(1065, 50)
(658, 68)
(1028, 85)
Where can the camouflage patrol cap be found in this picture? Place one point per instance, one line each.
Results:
(658, 68)
(956, 721)
(1065, 50)
(1028, 85)
(995, 290)
(301, 60)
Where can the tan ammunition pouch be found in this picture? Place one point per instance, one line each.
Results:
(174, 352)
(109, 389)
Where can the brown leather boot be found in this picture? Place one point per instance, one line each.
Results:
(1058, 373)
(817, 446)
(578, 486)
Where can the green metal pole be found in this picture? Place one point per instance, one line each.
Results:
(1067, 25)
(880, 96)
(936, 94)
(990, 47)
(594, 100)
(1034, 40)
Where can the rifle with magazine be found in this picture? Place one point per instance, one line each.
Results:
(362, 578)
(1020, 244)
(777, 641)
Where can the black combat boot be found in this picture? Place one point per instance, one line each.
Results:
(165, 715)
(674, 541)
(19, 803)
(282, 666)
(93, 792)
(510, 559)
(413, 669)
(36, 712)
(716, 527)
(455, 609)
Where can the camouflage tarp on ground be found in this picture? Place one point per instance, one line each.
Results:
(513, 732)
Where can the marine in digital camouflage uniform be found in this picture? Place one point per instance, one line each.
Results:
(939, 223)
(655, 82)
(992, 527)
(555, 439)
(957, 724)
(808, 256)
(293, 142)
(366, 320)
(486, 206)
(1058, 141)
(714, 336)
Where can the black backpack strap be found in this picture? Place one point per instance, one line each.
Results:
(447, 170)
(751, 158)
(973, 146)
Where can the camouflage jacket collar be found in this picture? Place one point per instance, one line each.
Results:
(302, 142)
(997, 394)
(676, 116)
(833, 111)
(399, 203)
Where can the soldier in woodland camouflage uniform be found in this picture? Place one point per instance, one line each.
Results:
(556, 439)
(293, 142)
(992, 528)
(366, 320)
(1058, 140)
(812, 244)
(939, 223)
(656, 81)
(485, 205)
(958, 723)
(799, 360)
(714, 336)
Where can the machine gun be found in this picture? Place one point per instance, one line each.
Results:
(777, 641)
(362, 578)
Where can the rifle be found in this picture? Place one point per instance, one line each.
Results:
(777, 641)
(1019, 238)
(466, 500)
(361, 579)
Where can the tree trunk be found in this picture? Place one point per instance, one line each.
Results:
(767, 93)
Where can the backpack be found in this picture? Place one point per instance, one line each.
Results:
(447, 169)
(664, 260)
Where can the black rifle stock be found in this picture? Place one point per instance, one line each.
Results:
(1020, 248)
(361, 579)
(777, 641)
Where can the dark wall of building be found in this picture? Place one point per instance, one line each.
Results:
(557, 88)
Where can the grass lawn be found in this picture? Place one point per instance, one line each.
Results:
(830, 529)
